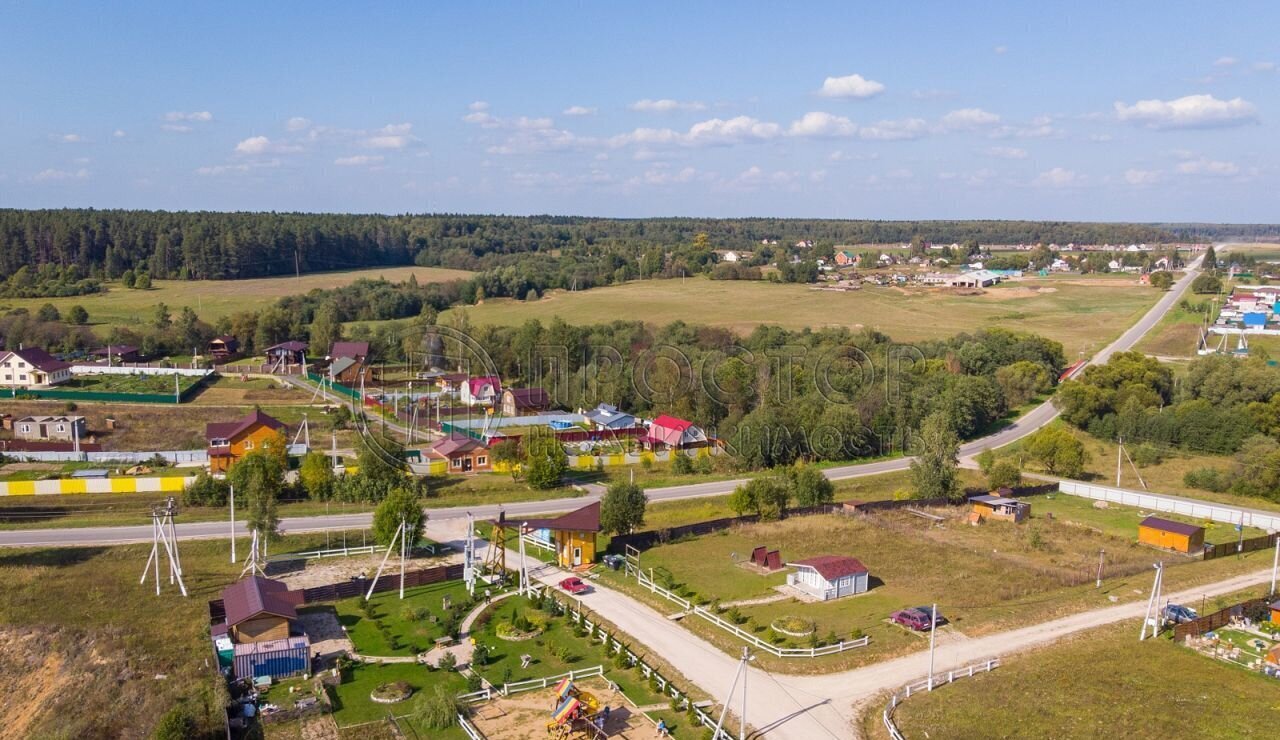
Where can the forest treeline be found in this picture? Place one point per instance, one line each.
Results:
(102, 245)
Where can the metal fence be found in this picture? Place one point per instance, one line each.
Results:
(928, 684)
(173, 456)
(1265, 542)
(1174, 505)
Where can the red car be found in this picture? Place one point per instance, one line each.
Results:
(916, 619)
(574, 585)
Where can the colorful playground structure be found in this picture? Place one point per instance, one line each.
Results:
(577, 714)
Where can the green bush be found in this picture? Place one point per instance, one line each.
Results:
(1206, 479)
(438, 709)
(680, 463)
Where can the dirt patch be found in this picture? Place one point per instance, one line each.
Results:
(28, 467)
(328, 639)
(526, 715)
(1009, 294)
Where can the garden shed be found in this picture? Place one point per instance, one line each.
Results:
(1170, 535)
(829, 577)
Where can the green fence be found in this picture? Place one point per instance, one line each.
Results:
(449, 428)
(336, 386)
(109, 396)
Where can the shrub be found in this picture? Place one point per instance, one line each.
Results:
(447, 662)
(438, 709)
(1206, 479)
(1145, 454)
(680, 463)
(703, 465)
(175, 724)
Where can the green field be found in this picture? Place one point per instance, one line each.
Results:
(213, 299)
(352, 705)
(128, 383)
(1100, 684)
(1083, 314)
(408, 627)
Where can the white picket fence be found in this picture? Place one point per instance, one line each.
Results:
(781, 652)
(924, 684)
(534, 684)
(469, 728)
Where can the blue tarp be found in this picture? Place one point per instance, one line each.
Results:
(1255, 319)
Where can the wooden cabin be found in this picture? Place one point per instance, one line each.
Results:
(1001, 508)
(574, 535)
(829, 577)
(1171, 535)
(224, 347)
(521, 401)
(229, 441)
(262, 624)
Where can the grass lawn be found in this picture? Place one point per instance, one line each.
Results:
(352, 705)
(1122, 521)
(554, 650)
(985, 579)
(408, 627)
(1100, 684)
(1177, 333)
(105, 383)
(1082, 314)
(213, 299)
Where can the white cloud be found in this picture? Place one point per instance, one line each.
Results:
(392, 136)
(665, 176)
(1038, 128)
(579, 110)
(532, 123)
(1058, 178)
(119, 133)
(51, 175)
(1191, 111)
(1007, 152)
(1226, 62)
(177, 116)
(843, 156)
(68, 138)
(850, 86)
(666, 105)
(236, 169)
(482, 119)
(176, 128)
(478, 106)
(359, 159)
(254, 145)
(1000, 49)
(297, 123)
(739, 128)
(1264, 66)
(817, 123)
(968, 118)
(1210, 167)
(900, 130)
(1142, 177)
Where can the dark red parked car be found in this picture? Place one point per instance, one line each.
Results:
(915, 618)
(574, 585)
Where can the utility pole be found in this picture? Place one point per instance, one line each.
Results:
(1119, 458)
(933, 628)
(1275, 561)
(1101, 557)
(231, 499)
(1153, 605)
(742, 718)
(404, 549)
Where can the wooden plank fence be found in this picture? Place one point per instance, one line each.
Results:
(1220, 618)
(1265, 542)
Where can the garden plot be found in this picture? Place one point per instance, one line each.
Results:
(388, 626)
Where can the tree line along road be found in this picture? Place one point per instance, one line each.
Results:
(1021, 427)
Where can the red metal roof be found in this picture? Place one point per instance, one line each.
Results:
(229, 429)
(255, 595)
(1155, 522)
(41, 360)
(357, 350)
(671, 422)
(833, 567)
(455, 442)
(529, 397)
(477, 384)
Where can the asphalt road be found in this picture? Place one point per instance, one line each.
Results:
(1024, 425)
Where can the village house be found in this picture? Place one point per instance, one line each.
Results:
(224, 347)
(113, 353)
(974, 279)
(829, 577)
(463, 454)
(281, 356)
(573, 535)
(263, 629)
(355, 350)
(51, 428)
(481, 391)
(1170, 535)
(669, 431)
(520, 401)
(733, 256)
(32, 368)
(845, 258)
(451, 382)
(348, 363)
(229, 441)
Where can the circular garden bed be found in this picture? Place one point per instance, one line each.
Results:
(793, 626)
(391, 693)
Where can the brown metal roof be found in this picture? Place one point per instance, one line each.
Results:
(586, 519)
(256, 595)
(1165, 525)
(229, 429)
(832, 567)
(455, 442)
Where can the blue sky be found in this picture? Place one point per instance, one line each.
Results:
(1095, 111)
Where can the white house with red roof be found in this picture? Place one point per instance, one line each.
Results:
(32, 368)
(483, 390)
(677, 433)
(829, 577)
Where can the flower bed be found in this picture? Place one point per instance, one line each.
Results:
(391, 693)
(793, 626)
